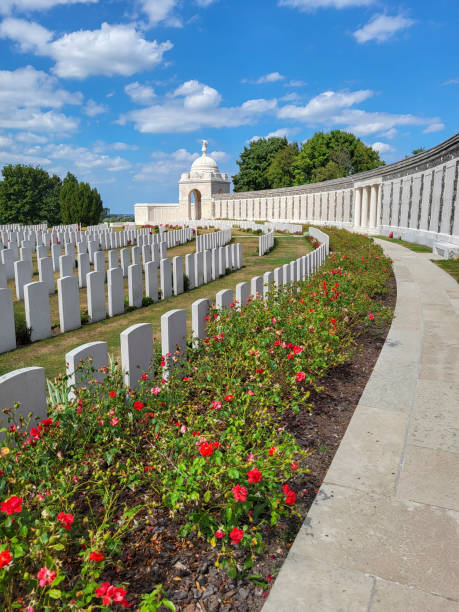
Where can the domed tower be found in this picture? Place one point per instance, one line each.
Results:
(197, 187)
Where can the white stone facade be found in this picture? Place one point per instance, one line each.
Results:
(416, 198)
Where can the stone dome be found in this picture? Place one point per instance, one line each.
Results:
(204, 164)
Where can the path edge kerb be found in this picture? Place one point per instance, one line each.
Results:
(280, 597)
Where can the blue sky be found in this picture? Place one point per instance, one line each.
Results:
(121, 92)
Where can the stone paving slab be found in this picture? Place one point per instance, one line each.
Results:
(383, 532)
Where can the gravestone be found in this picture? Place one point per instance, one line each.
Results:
(177, 271)
(268, 280)
(190, 270)
(69, 303)
(125, 261)
(256, 287)
(242, 294)
(96, 296)
(173, 338)
(65, 265)
(199, 268)
(113, 259)
(223, 299)
(136, 352)
(166, 278)
(22, 276)
(7, 328)
(135, 288)
(27, 387)
(37, 312)
(83, 269)
(199, 311)
(207, 259)
(115, 289)
(84, 362)
(151, 280)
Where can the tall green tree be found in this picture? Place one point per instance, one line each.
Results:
(29, 195)
(280, 172)
(69, 200)
(332, 155)
(254, 163)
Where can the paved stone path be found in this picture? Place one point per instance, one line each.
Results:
(383, 532)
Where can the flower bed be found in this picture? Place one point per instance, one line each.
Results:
(202, 457)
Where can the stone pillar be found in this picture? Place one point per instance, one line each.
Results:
(364, 216)
(37, 312)
(115, 287)
(136, 352)
(357, 206)
(373, 205)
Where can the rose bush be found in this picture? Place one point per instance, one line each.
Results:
(207, 443)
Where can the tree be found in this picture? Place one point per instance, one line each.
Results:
(280, 171)
(254, 163)
(29, 195)
(80, 203)
(418, 150)
(69, 200)
(333, 155)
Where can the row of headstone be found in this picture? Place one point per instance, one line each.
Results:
(215, 239)
(27, 386)
(200, 268)
(266, 226)
(265, 243)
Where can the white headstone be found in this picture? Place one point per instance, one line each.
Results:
(136, 352)
(242, 294)
(173, 337)
(22, 275)
(199, 268)
(115, 288)
(83, 269)
(177, 272)
(125, 261)
(84, 362)
(207, 259)
(96, 296)
(27, 387)
(135, 288)
(190, 270)
(37, 311)
(46, 273)
(166, 278)
(199, 311)
(65, 265)
(3, 280)
(69, 303)
(268, 280)
(7, 328)
(224, 298)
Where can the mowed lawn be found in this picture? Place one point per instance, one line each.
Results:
(50, 353)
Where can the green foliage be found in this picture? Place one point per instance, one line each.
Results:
(147, 301)
(79, 203)
(209, 443)
(29, 195)
(22, 331)
(254, 163)
(153, 601)
(273, 162)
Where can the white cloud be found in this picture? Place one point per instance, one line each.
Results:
(141, 94)
(205, 3)
(382, 147)
(91, 108)
(324, 105)
(111, 50)
(283, 132)
(311, 5)
(220, 156)
(193, 106)
(295, 83)
(166, 167)
(29, 137)
(198, 96)
(25, 93)
(86, 160)
(391, 133)
(451, 82)
(272, 77)
(362, 123)
(7, 6)
(434, 127)
(6, 142)
(381, 28)
(290, 97)
(161, 10)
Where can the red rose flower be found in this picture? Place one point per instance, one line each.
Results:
(12, 505)
(240, 493)
(219, 534)
(294, 466)
(254, 475)
(229, 398)
(371, 316)
(112, 594)
(236, 535)
(300, 376)
(138, 405)
(96, 556)
(112, 393)
(5, 558)
(290, 498)
(272, 451)
(66, 520)
(206, 449)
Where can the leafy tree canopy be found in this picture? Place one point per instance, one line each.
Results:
(269, 163)
(80, 203)
(29, 195)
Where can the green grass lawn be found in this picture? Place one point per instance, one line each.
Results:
(449, 265)
(50, 353)
(418, 248)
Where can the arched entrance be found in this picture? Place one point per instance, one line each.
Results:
(194, 204)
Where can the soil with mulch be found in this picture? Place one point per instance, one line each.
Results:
(155, 553)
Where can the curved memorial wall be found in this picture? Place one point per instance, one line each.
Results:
(416, 199)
